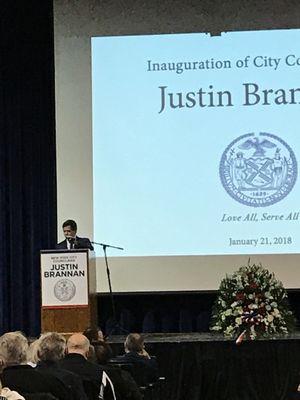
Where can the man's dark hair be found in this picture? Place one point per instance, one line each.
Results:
(103, 352)
(71, 223)
(91, 333)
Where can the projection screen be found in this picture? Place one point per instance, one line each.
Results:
(183, 149)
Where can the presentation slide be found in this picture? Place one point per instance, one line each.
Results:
(196, 143)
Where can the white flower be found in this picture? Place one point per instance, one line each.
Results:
(238, 311)
(252, 332)
(229, 330)
(276, 313)
(270, 317)
(228, 312)
(238, 321)
(216, 328)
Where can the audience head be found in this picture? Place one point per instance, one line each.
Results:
(93, 334)
(13, 348)
(78, 344)
(134, 342)
(103, 352)
(51, 346)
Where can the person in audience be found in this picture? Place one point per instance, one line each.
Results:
(94, 334)
(103, 352)
(21, 377)
(72, 241)
(76, 361)
(8, 394)
(5, 392)
(124, 384)
(136, 354)
(51, 348)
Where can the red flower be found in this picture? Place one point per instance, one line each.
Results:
(262, 310)
(240, 296)
(253, 285)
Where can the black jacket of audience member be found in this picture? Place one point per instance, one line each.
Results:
(124, 384)
(73, 381)
(25, 379)
(90, 373)
(145, 369)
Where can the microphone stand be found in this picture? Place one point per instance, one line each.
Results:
(115, 324)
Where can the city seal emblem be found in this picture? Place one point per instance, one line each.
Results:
(64, 290)
(258, 170)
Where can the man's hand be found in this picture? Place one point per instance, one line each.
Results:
(144, 353)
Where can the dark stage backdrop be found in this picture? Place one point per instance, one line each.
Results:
(200, 366)
(27, 161)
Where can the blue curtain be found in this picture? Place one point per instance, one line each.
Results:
(27, 158)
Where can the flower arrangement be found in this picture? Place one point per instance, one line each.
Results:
(252, 303)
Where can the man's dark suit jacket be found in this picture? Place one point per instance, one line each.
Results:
(146, 369)
(25, 379)
(124, 384)
(80, 243)
(90, 373)
(73, 381)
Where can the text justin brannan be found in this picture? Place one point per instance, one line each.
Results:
(63, 270)
(253, 95)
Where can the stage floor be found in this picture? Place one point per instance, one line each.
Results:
(193, 337)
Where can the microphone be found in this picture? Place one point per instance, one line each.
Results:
(73, 241)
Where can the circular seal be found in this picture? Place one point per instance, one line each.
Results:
(64, 290)
(258, 170)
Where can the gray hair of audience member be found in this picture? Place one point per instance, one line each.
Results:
(78, 343)
(32, 353)
(134, 342)
(2, 364)
(13, 348)
(51, 347)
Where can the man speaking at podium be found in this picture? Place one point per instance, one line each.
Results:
(72, 241)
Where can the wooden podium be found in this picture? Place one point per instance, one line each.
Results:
(68, 285)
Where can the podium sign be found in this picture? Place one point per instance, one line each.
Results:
(64, 278)
(68, 282)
